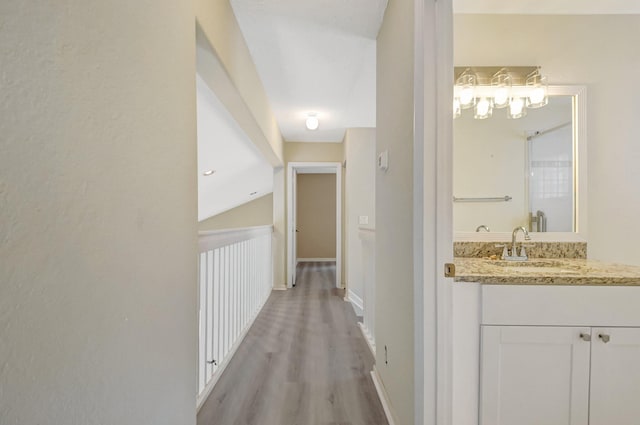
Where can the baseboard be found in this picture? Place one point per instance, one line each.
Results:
(232, 351)
(356, 302)
(314, 260)
(370, 343)
(279, 288)
(382, 395)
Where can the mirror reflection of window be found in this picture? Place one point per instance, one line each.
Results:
(529, 159)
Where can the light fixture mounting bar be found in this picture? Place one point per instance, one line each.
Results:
(484, 73)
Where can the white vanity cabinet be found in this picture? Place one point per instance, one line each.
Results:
(546, 361)
(546, 355)
(533, 375)
(615, 377)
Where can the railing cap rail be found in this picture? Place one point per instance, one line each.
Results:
(212, 239)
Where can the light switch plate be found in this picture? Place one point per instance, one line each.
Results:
(383, 160)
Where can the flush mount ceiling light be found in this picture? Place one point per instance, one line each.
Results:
(486, 88)
(208, 172)
(312, 122)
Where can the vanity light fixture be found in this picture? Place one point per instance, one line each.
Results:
(457, 109)
(516, 108)
(467, 83)
(538, 90)
(483, 109)
(486, 88)
(312, 122)
(501, 84)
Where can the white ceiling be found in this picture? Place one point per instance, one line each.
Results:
(548, 7)
(315, 56)
(225, 148)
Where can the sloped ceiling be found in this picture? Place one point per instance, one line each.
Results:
(240, 170)
(315, 56)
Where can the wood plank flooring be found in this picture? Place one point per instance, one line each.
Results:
(303, 362)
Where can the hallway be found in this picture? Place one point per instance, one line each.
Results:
(303, 362)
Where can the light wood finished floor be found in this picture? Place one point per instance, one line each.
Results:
(304, 362)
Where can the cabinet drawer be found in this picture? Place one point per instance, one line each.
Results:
(560, 305)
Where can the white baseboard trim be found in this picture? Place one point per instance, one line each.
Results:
(384, 398)
(370, 341)
(279, 288)
(356, 302)
(314, 260)
(216, 376)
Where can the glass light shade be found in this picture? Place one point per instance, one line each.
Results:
(457, 110)
(501, 84)
(483, 109)
(516, 108)
(466, 84)
(538, 91)
(312, 122)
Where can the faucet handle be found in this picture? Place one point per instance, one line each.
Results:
(505, 250)
(523, 251)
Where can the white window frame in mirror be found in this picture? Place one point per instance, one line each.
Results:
(579, 123)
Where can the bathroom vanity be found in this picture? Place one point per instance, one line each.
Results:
(547, 341)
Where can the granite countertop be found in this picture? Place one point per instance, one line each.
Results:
(545, 271)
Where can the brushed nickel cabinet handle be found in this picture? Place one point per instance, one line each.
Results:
(604, 337)
(585, 337)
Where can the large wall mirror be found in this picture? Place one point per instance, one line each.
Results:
(527, 172)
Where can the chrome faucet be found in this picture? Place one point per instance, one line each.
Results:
(514, 249)
(483, 226)
(513, 255)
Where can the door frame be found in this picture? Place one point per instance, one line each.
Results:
(433, 211)
(292, 170)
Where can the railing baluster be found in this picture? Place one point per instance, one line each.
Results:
(217, 302)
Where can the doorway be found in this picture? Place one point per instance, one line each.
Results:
(301, 235)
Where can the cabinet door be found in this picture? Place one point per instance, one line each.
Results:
(615, 376)
(534, 375)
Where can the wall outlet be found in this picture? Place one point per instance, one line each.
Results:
(363, 219)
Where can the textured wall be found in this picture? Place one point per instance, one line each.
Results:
(97, 212)
(258, 212)
(394, 208)
(360, 182)
(316, 216)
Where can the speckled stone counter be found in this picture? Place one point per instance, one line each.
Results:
(534, 249)
(549, 271)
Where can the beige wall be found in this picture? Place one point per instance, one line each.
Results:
(394, 206)
(313, 152)
(599, 52)
(258, 212)
(360, 182)
(316, 216)
(98, 213)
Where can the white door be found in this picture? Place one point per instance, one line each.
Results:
(615, 376)
(534, 375)
(294, 224)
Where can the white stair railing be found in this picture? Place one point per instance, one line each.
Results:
(234, 282)
(368, 325)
